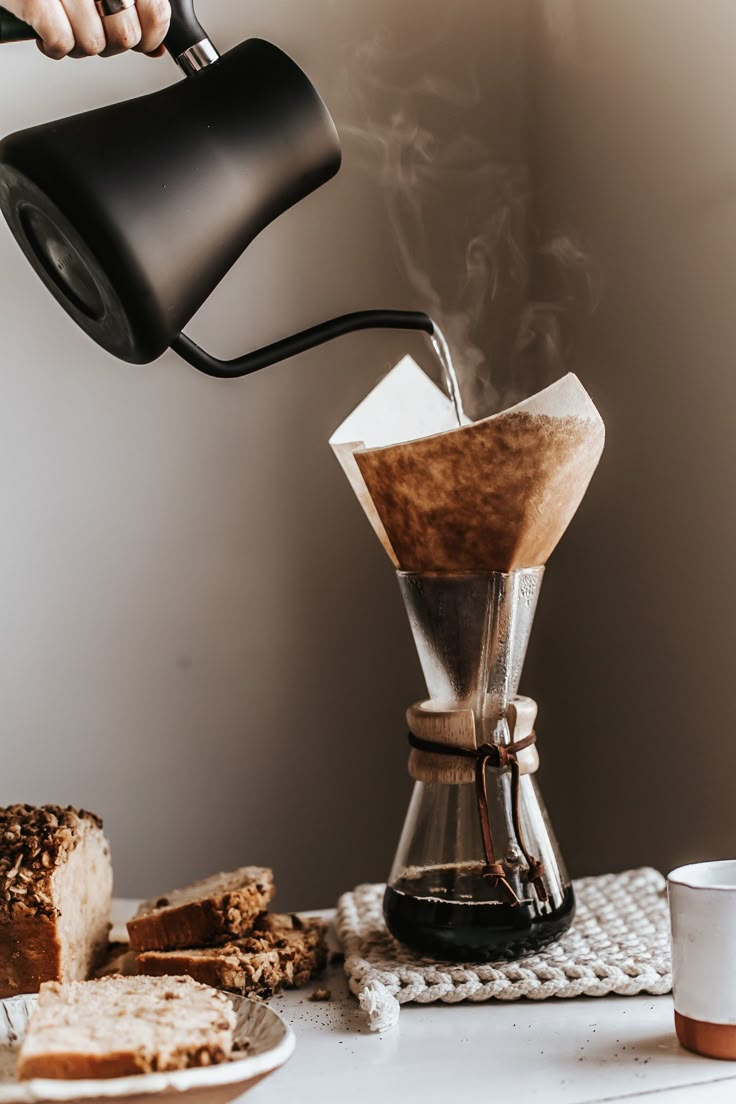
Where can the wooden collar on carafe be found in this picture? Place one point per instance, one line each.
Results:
(444, 749)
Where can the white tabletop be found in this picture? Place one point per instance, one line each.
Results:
(581, 1051)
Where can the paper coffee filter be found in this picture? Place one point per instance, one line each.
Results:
(492, 495)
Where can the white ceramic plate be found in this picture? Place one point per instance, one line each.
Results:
(271, 1043)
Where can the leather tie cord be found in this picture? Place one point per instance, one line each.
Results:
(498, 756)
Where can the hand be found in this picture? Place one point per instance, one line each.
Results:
(75, 28)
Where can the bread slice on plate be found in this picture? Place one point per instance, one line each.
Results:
(117, 1026)
(283, 952)
(209, 911)
(55, 894)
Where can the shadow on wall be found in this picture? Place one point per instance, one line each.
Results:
(634, 642)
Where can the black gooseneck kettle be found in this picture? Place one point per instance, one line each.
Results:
(132, 214)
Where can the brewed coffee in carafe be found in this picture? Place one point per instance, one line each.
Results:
(478, 874)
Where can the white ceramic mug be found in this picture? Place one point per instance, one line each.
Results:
(702, 899)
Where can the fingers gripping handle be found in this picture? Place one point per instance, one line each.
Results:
(187, 40)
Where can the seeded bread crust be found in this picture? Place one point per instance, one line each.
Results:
(285, 952)
(35, 842)
(184, 919)
(68, 1035)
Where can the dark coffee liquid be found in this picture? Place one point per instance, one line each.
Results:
(446, 913)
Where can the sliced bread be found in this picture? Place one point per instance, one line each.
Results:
(284, 951)
(206, 912)
(304, 939)
(118, 1026)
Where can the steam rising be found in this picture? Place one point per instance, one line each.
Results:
(504, 297)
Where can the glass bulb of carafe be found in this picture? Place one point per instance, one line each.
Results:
(471, 632)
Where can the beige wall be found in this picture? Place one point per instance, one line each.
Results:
(201, 638)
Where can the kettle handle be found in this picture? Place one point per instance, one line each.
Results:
(187, 41)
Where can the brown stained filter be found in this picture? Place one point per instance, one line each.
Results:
(493, 496)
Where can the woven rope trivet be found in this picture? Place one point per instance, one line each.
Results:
(619, 943)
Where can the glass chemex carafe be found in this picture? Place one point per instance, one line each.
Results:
(478, 874)
(469, 515)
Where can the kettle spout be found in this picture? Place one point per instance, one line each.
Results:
(300, 342)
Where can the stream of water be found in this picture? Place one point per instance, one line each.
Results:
(452, 386)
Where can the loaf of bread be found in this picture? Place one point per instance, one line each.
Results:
(206, 912)
(55, 894)
(283, 951)
(118, 1026)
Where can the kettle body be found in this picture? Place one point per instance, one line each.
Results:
(132, 214)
